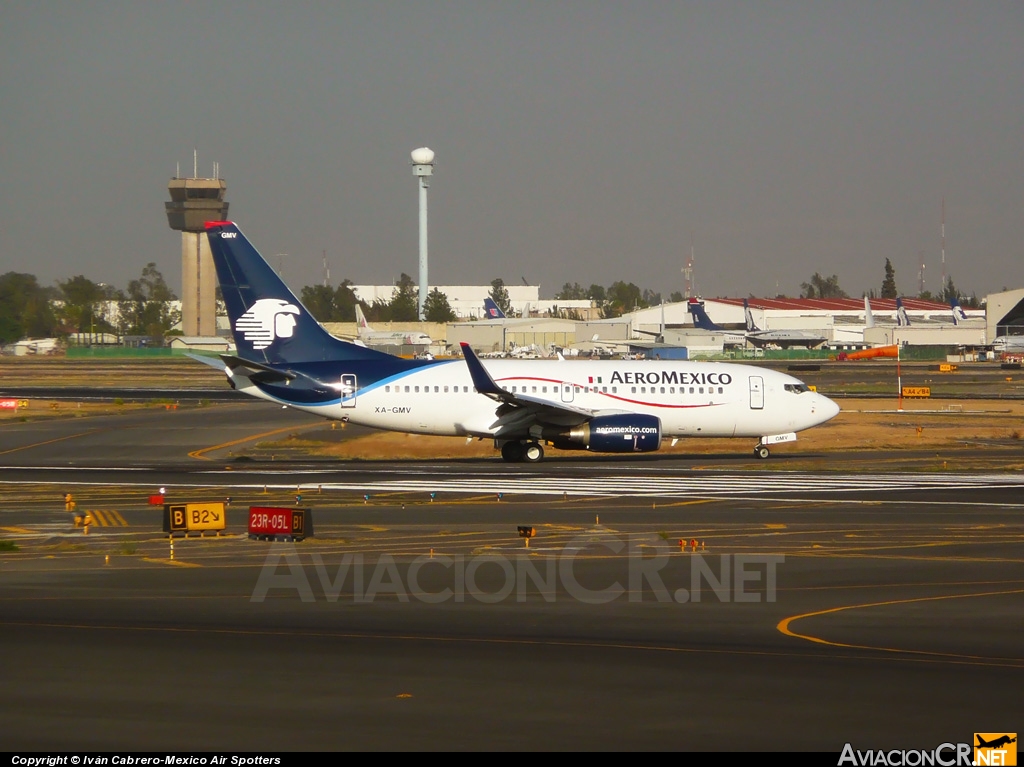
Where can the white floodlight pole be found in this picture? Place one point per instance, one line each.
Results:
(423, 168)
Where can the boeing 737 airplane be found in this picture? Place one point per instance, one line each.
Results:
(756, 336)
(285, 356)
(383, 337)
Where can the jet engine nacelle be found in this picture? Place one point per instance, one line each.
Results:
(627, 433)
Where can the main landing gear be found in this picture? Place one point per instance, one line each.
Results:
(530, 452)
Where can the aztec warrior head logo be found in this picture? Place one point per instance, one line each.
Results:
(267, 319)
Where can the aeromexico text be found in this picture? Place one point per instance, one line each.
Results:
(680, 378)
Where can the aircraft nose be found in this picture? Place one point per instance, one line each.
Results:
(825, 409)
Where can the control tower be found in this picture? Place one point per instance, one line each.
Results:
(194, 201)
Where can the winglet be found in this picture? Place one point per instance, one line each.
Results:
(481, 378)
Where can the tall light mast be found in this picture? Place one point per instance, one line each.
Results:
(943, 288)
(423, 169)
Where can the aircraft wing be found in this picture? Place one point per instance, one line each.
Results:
(518, 410)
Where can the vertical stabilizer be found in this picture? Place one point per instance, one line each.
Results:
(749, 316)
(362, 326)
(491, 310)
(270, 325)
(869, 318)
(700, 317)
(902, 319)
(958, 313)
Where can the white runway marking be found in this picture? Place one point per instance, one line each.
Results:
(683, 487)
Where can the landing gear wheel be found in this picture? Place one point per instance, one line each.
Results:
(512, 451)
(533, 452)
(761, 451)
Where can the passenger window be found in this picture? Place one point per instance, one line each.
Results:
(633, 391)
(446, 390)
(417, 390)
(406, 389)
(387, 388)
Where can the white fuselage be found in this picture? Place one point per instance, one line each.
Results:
(692, 399)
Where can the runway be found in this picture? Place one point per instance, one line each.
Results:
(820, 608)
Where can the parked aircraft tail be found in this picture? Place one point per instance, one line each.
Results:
(700, 317)
(958, 313)
(869, 319)
(361, 324)
(749, 316)
(902, 320)
(270, 325)
(491, 310)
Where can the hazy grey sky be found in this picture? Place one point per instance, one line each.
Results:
(576, 141)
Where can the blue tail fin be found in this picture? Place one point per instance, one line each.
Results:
(749, 316)
(492, 310)
(700, 317)
(269, 323)
(958, 313)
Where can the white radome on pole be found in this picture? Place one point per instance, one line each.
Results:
(423, 156)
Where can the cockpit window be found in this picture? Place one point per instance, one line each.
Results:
(797, 388)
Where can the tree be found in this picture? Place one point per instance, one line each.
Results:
(822, 287)
(145, 306)
(949, 291)
(25, 309)
(597, 294)
(82, 305)
(571, 292)
(676, 297)
(345, 301)
(623, 297)
(889, 283)
(499, 294)
(436, 308)
(332, 305)
(404, 304)
(319, 299)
